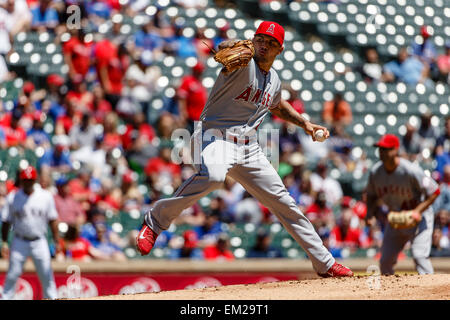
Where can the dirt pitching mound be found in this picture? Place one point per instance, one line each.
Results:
(397, 287)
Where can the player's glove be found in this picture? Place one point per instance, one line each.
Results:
(236, 56)
(404, 219)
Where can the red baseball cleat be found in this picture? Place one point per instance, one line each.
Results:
(337, 270)
(145, 240)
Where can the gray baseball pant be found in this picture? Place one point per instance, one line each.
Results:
(248, 165)
(394, 240)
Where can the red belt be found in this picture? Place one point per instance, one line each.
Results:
(244, 141)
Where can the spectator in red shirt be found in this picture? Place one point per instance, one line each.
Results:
(293, 100)
(138, 129)
(443, 63)
(77, 54)
(69, 209)
(110, 70)
(192, 95)
(14, 134)
(111, 138)
(65, 121)
(162, 171)
(99, 106)
(320, 215)
(203, 51)
(77, 248)
(80, 94)
(337, 111)
(80, 188)
(26, 103)
(344, 235)
(220, 250)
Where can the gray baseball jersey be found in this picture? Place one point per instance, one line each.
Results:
(403, 189)
(238, 103)
(242, 99)
(29, 214)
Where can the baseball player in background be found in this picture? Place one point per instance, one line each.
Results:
(237, 104)
(29, 210)
(399, 195)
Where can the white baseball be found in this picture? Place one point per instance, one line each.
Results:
(319, 135)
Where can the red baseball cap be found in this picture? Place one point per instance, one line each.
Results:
(55, 79)
(128, 177)
(272, 29)
(28, 87)
(347, 202)
(199, 67)
(190, 239)
(426, 31)
(28, 173)
(360, 209)
(388, 141)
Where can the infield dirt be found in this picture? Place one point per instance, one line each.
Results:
(397, 287)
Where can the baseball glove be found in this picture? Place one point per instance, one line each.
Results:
(404, 219)
(235, 56)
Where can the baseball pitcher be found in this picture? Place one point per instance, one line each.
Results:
(29, 211)
(400, 195)
(246, 89)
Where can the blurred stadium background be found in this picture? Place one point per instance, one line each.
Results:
(91, 92)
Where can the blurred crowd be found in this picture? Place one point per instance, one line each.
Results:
(101, 154)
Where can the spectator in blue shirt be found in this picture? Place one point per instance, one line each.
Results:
(442, 149)
(406, 68)
(98, 8)
(106, 241)
(180, 45)
(221, 35)
(3, 144)
(44, 16)
(95, 216)
(56, 159)
(209, 231)
(443, 201)
(36, 136)
(148, 38)
(425, 51)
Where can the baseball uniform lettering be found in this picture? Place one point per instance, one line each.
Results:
(256, 96)
(245, 95)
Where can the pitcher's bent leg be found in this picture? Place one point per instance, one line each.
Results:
(165, 211)
(268, 188)
(215, 162)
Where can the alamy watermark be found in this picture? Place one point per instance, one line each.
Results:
(74, 20)
(374, 279)
(225, 147)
